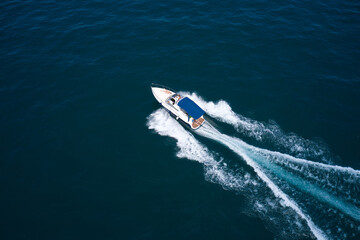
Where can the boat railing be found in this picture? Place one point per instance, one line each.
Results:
(162, 86)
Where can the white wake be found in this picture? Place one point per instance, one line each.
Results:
(316, 179)
(238, 147)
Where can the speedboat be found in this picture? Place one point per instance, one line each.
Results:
(180, 107)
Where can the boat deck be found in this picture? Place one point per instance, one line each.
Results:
(197, 123)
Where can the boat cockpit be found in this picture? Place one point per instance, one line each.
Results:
(174, 99)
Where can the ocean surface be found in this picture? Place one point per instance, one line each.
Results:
(87, 153)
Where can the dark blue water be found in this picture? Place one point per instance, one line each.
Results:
(81, 158)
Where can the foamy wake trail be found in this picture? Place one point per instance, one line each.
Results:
(340, 181)
(241, 181)
(266, 163)
(335, 187)
(190, 148)
(238, 146)
(268, 159)
(264, 132)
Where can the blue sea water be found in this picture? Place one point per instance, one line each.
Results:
(87, 153)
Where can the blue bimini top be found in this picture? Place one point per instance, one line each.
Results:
(191, 108)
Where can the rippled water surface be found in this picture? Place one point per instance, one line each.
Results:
(87, 152)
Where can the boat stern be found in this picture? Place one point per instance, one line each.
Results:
(197, 123)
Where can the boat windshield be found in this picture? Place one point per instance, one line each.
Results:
(177, 97)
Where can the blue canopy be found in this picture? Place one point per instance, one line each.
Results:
(191, 108)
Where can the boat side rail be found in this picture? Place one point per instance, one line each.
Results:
(162, 86)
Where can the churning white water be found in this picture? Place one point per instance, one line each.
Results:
(273, 169)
